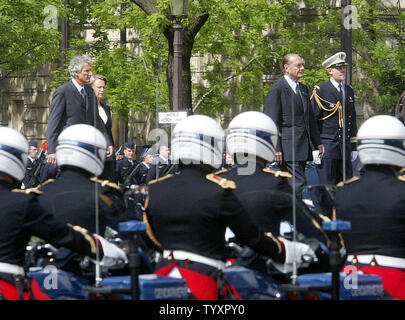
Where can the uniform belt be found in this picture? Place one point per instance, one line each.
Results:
(384, 261)
(11, 268)
(185, 255)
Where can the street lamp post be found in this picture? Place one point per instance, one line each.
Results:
(178, 10)
(346, 36)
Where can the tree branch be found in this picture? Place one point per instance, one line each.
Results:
(148, 6)
(205, 95)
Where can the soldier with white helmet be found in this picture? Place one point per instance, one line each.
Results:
(187, 213)
(21, 216)
(80, 154)
(374, 203)
(265, 193)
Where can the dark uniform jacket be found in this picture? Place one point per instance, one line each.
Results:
(267, 197)
(330, 119)
(190, 211)
(68, 108)
(21, 217)
(278, 105)
(124, 169)
(142, 174)
(159, 168)
(71, 198)
(375, 206)
(30, 167)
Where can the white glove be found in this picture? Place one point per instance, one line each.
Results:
(112, 254)
(295, 251)
(354, 155)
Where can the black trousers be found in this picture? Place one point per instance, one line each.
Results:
(300, 180)
(330, 171)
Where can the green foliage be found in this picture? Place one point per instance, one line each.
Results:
(241, 42)
(379, 41)
(25, 40)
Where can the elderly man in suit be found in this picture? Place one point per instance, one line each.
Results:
(334, 109)
(288, 105)
(72, 103)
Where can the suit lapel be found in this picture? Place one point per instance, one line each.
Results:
(77, 95)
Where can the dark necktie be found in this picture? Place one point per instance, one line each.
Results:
(297, 90)
(340, 93)
(83, 94)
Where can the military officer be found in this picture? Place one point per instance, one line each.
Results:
(328, 100)
(374, 203)
(187, 213)
(126, 164)
(71, 197)
(21, 216)
(31, 165)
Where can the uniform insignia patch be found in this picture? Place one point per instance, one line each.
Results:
(341, 183)
(28, 191)
(43, 184)
(170, 175)
(278, 173)
(105, 183)
(224, 183)
(401, 178)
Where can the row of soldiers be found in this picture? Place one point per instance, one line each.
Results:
(187, 212)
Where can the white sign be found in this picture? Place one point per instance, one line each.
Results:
(172, 116)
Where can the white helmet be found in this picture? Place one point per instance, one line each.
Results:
(13, 153)
(253, 133)
(381, 140)
(83, 146)
(198, 139)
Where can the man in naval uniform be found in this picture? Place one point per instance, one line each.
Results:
(333, 106)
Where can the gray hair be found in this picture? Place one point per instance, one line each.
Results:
(77, 62)
(95, 77)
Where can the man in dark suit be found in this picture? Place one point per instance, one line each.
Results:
(328, 100)
(299, 134)
(72, 103)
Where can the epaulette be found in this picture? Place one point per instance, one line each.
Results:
(223, 170)
(402, 170)
(86, 235)
(106, 199)
(401, 178)
(342, 183)
(43, 184)
(278, 173)
(106, 183)
(149, 230)
(28, 191)
(317, 87)
(167, 176)
(224, 183)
